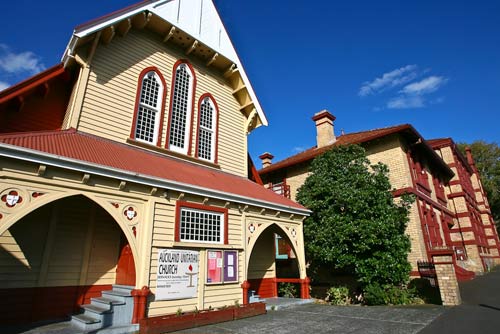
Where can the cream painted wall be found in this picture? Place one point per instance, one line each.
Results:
(109, 101)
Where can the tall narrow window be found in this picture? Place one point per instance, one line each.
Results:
(149, 107)
(207, 129)
(181, 106)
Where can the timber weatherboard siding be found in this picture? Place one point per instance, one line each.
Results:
(110, 97)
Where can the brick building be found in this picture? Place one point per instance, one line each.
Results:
(414, 167)
(473, 236)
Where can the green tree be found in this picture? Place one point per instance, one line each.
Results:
(355, 225)
(487, 159)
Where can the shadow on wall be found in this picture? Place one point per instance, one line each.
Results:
(55, 258)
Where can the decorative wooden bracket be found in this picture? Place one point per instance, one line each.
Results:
(85, 178)
(124, 27)
(192, 47)
(108, 34)
(212, 59)
(122, 185)
(141, 20)
(169, 35)
(230, 71)
(41, 170)
(250, 120)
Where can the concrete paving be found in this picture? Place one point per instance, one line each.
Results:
(317, 319)
(479, 312)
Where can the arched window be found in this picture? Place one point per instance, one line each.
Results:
(149, 106)
(206, 142)
(181, 108)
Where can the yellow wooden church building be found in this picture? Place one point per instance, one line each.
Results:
(123, 176)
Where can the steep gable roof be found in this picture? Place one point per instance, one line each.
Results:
(197, 18)
(359, 138)
(87, 153)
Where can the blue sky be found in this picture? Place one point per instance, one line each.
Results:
(433, 64)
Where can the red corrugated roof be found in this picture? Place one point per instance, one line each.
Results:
(89, 148)
(351, 138)
(32, 82)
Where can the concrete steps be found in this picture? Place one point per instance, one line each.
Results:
(253, 297)
(113, 309)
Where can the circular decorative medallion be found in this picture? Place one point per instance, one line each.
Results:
(12, 198)
(251, 228)
(293, 232)
(130, 213)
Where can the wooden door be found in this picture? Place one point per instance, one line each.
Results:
(125, 270)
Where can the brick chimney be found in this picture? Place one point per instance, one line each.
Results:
(325, 134)
(267, 159)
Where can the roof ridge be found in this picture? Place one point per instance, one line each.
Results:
(377, 129)
(333, 144)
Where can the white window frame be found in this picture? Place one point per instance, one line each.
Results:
(182, 224)
(212, 131)
(189, 104)
(157, 110)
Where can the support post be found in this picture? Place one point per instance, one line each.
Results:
(140, 301)
(275, 287)
(304, 288)
(245, 286)
(447, 279)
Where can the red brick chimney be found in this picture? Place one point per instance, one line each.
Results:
(325, 134)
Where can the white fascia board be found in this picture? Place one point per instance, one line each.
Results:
(29, 155)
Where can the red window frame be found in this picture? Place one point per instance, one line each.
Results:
(189, 127)
(216, 130)
(138, 97)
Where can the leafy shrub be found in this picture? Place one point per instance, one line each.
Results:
(374, 295)
(424, 291)
(287, 290)
(338, 295)
(389, 295)
(355, 225)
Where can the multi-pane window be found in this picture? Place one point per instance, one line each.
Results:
(180, 116)
(149, 108)
(201, 226)
(206, 130)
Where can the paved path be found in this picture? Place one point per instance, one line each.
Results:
(479, 312)
(318, 319)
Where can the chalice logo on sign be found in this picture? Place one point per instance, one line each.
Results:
(191, 274)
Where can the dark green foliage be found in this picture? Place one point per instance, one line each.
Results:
(388, 295)
(288, 290)
(424, 290)
(338, 295)
(355, 226)
(487, 159)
